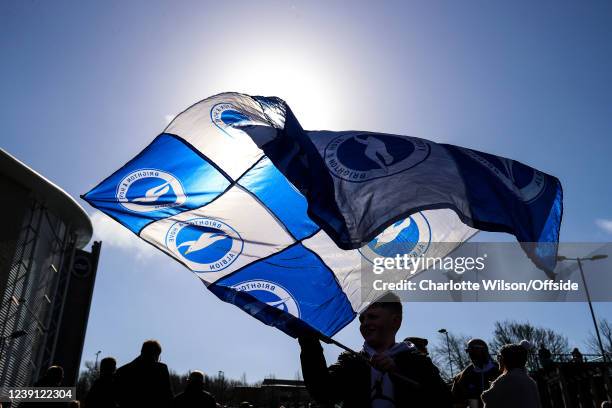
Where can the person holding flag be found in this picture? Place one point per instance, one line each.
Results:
(384, 374)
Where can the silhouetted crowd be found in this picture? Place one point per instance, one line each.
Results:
(388, 374)
(143, 382)
(384, 374)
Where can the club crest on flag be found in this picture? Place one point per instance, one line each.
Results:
(146, 190)
(204, 244)
(410, 236)
(225, 115)
(271, 294)
(525, 182)
(366, 156)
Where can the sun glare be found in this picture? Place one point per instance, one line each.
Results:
(312, 89)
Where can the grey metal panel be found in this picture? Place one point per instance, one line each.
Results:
(53, 197)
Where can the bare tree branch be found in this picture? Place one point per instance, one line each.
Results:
(605, 330)
(458, 357)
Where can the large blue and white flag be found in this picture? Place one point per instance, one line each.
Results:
(213, 192)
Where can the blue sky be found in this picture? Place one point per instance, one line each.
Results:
(86, 85)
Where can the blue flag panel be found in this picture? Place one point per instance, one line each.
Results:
(506, 195)
(277, 282)
(166, 178)
(284, 200)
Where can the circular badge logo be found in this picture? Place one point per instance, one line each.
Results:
(147, 190)
(530, 182)
(271, 294)
(367, 156)
(411, 236)
(204, 244)
(225, 116)
(81, 267)
(526, 183)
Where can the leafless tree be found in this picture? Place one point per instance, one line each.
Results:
(510, 331)
(458, 356)
(605, 330)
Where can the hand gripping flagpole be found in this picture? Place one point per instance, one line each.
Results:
(400, 377)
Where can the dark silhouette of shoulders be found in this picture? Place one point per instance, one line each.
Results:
(143, 383)
(192, 398)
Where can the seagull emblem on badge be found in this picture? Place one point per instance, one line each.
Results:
(204, 241)
(391, 233)
(153, 194)
(255, 307)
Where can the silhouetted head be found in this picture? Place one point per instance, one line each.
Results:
(478, 351)
(419, 343)
(196, 379)
(54, 376)
(577, 355)
(150, 351)
(512, 356)
(380, 322)
(526, 344)
(108, 365)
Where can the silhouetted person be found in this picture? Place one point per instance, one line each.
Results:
(145, 382)
(419, 343)
(526, 344)
(384, 374)
(102, 393)
(53, 377)
(194, 395)
(577, 356)
(545, 356)
(513, 388)
(469, 384)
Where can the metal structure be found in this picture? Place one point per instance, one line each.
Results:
(586, 289)
(450, 360)
(43, 227)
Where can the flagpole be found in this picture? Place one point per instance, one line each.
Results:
(329, 340)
